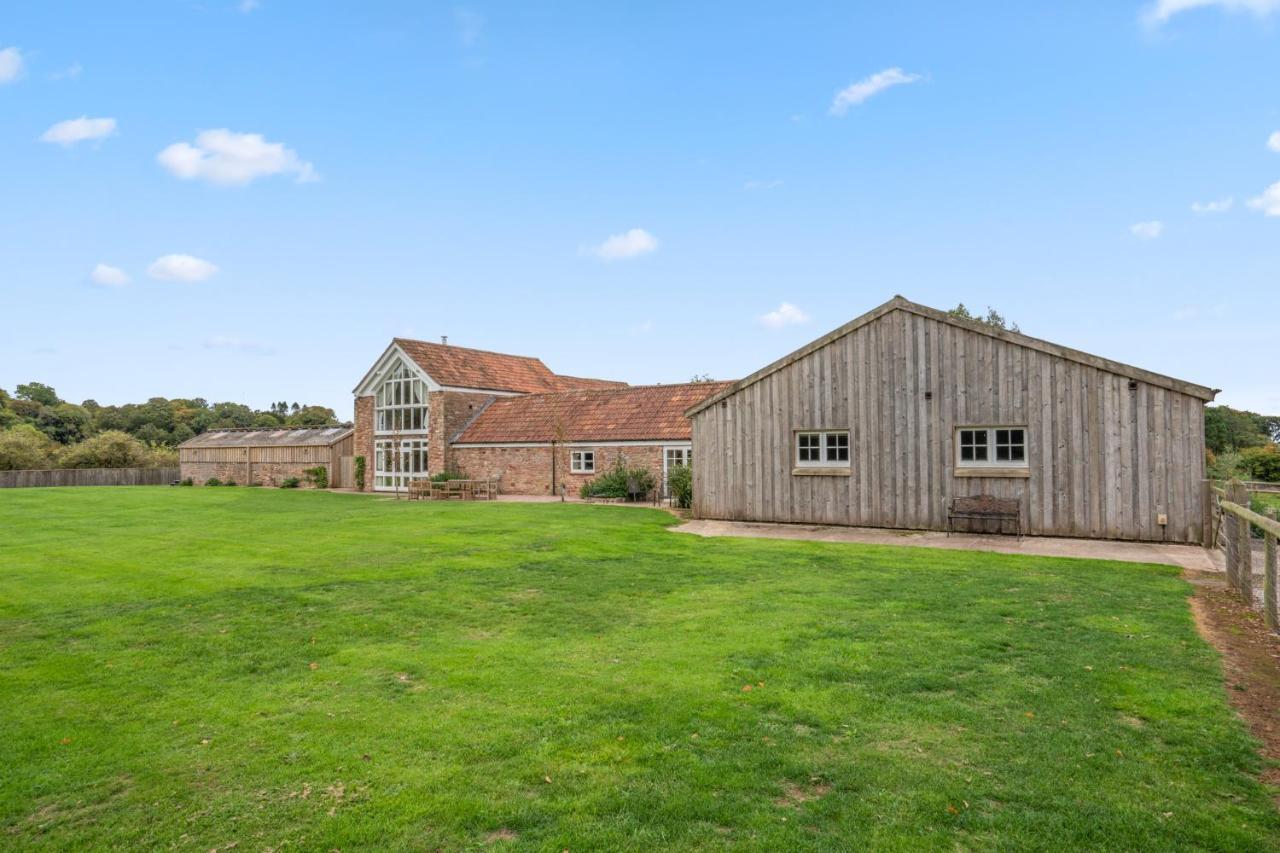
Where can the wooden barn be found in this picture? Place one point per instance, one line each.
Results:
(269, 455)
(899, 416)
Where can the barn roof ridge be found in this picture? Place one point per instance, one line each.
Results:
(901, 303)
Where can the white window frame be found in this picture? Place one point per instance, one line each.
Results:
(582, 461)
(679, 455)
(394, 410)
(992, 448)
(828, 445)
(412, 465)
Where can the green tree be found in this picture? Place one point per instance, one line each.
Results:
(1227, 429)
(65, 423)
(992, 318)
(111, 449)
(24, 448)
(38, 392)
(1262, 463)
(313, 416)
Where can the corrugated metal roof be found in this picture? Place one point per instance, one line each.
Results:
(271, 437)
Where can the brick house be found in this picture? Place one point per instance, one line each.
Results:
(425, 408)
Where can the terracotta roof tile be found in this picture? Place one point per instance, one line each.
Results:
(463, 367)
(644, 412)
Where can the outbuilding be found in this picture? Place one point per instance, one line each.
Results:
(268, 456)
(889, 419)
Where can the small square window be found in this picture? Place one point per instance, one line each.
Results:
(822, 449)
(582, 461)
(997, 447)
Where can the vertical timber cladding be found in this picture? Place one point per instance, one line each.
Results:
(1107, 453)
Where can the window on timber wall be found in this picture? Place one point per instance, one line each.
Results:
(991, 447)
(582, 461)
(825, 449)
(400, 405)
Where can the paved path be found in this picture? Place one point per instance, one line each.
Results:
(1191, 557)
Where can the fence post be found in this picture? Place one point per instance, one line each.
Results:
(1206, 513)
(1269, 578)
(1243, 574)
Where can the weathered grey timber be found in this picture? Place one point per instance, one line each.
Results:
(1111, 449)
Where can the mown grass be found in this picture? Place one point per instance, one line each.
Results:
(196, 667)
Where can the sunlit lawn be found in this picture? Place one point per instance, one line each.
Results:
(195, 667)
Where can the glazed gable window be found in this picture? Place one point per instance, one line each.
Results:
(991, 447)
(822, 449)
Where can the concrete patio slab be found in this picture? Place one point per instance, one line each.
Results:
(1190, 557)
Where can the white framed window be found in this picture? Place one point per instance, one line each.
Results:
(822, 449)
(991, 447)
(396, 463)
(400, 404)
(673, 456)
(582, 461)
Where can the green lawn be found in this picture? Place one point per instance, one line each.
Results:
(195, 667)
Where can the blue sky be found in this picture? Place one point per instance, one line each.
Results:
(287, 185)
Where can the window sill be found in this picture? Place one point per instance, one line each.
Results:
(1011, 473)
(818, 471)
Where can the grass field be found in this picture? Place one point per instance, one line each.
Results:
(194, 668)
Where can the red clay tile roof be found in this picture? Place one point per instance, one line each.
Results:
(462, 367)
(644, 412)
(578, 383)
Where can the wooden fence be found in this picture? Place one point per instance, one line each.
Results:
(88, 477)
(1235, 525)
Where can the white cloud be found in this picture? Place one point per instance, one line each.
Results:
(762, 185)
(73, 130)
(785, 314)
(109, 276)
(1269, 201)
(856, 93)
(224, 157)
(1273, 142)
(10, 64)
(1147, 230)
(629, 244)
(181, 268)
(1222, 205)
(1162, 10)
(225, 342)
(71, 72)
(248, 6)
(470, 25)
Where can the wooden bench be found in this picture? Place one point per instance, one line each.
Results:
(986, 508)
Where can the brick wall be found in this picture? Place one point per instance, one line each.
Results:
(527, 470)
(364, 436)
(450, 411)
(264, 473)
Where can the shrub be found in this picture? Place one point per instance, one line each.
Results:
(446, 476)
(213, 481)
(1262, 463)
(680, 481)
(317, 476)
(186, 482)
(110, 449)
(613, 483)
(1223, 466)
(24, 447)
(229, 483)
(359, 463)
(289, 483)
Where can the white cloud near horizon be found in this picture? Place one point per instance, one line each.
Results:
(1222, 205)
(1161, 11)
(184, 268)
(10, 64)
(73, 130)
(856, 93)
(785, 314)
(1147, 230)
(629, 244)
(109, 276)
(233, 343)
(224, 157)
(1273, 142)
(1269, 201)
(469, 24)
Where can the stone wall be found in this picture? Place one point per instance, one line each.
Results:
(527, 470)
(264, 473)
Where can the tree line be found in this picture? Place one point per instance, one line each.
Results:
(38, 429)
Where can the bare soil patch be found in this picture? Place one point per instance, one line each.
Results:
(1250, 660)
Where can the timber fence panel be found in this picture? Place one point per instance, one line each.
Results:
(87, 477)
